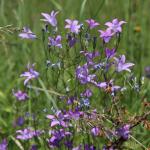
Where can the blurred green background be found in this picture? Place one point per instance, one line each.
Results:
(16, 53)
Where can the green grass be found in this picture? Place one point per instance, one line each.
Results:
(16, 53)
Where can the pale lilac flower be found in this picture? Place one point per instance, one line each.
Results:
(55, 41)
(30, 74)
(110, 52)
(73, 26)
(50, 18)
(123, 131)
(121, 65)
(87, 93)
(115, 25)
(78, 147)
(58, 119)
(27, 34)
(105, 35)
(95, 131)
(108, 86)
(82, 74)
(27, 133)
(90, 56)
(21, 96)
(3, 144)
(92, 23)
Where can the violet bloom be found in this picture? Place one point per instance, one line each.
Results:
(83, 76)
(124, 132)
(3, 144)
(92, 23)
(115, 25)
(58, 119)
(87, 93)
(27, 34)
(121, 65)
(108, 86)
(105, 35)
(89, 147)
(71, 40)
(90, 56)
(147, 71)
(73, 26)
(95, 131)
(21, 96)
(30, 74)
(57, 136)
(50, 18)
(27, 133)
(78, 147)
(76, 114)
(55, 41)
(110, 52)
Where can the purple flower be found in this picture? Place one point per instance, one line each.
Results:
(147, 71)
(78, 147)
(30, 74)
(57, 136)
(115, 25)
(55, 41)
(19, 121)
(123, 132)
(121, 65)
(82, 74)
(92, 23)
(95, 131)
(73, 26)
(50, 18)
(34, 147)
(90, 56)
(110, 52)
(89, 147)
(108, 86)
(71, 40)
(3, 144)
(76, 114)
(27, 133)
(87, 93)
(58, 119)
(21, 96)
(27, 34)
(105, 35)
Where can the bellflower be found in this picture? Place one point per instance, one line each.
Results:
(87, 93)
(27, 133)
(123, 132)
(115, 25)
(73, 26)
(27, 34)
(50, 18)
(121, 65)
(71, 40)
(55, 41)
(21, 96)
(105, 35)
(108, 86)
(95, 131)
(30, 74)
(3, 144)
(92, 23)
(82, 74)
(58, 119)
(110, 52)
(90, 56)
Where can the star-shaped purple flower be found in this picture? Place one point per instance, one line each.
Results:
(115, 25)
(121, 65)
(27, 34)
(73, 26)
(27, 133)
(30, 74)
(50, 18)
(55, 41)
(92, 23)
(105, 35)
(3, 144)
(20, 95)
(110, 52)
